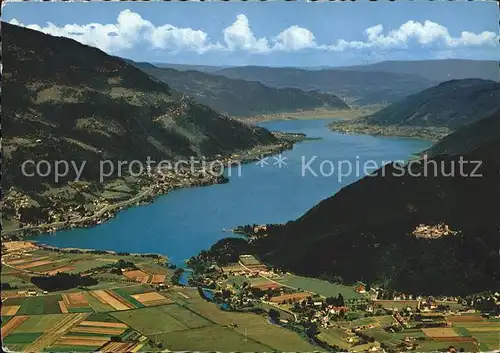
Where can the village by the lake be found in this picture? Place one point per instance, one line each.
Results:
(104, 301)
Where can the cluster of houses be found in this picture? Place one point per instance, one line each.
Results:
(15, 200)
(433, 232)
(324, 316)
(259, 228)
(166, 181)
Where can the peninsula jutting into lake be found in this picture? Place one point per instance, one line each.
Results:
(201, 177)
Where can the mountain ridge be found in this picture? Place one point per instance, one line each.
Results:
(359, 87)
(439, 70)
(239, 97)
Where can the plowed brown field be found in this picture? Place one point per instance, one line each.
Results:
(12, 324)
(51, 336)
(10, 310)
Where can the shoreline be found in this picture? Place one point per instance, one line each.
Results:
(344, 114)
(428, 133)
(285, 142)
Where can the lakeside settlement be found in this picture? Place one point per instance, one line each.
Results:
(60, 299)
(92, 205)
(354, 317)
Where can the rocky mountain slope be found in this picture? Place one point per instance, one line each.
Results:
(356, 86)
(389, 228)
(239, 97)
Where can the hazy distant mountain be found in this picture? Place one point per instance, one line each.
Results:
(437, 70)
(357, 86)
(187, 67)
(239, 97)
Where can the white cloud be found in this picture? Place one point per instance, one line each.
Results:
(472, 39)
(130, 29)
(239, 36)
(109, 37)
(424, 34)
(295, 38)
(171, 38)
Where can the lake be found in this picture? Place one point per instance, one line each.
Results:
(185, 221)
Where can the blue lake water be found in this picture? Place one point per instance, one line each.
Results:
(186, 221)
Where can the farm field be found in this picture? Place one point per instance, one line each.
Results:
(39, 323)
(285, 298)
(486, 332)
(385, 320)
(141, 320)
(238, 280)
(210, 338)
(21, 338)
(96, 318)
(464, 319)
(323, 288)
(427, 346)
(380, 335)
(103, 297)
(48, 304)
(62, 332)
(67, 303)
(363, 321)
(52, 334)
(469, 334)
(121, 347)
(17, 280)
(488, 341)
(74, 319)
(257, 327)
(83, 301)
(187, 317)
(398, 304)
(336, 337)
(200, 319)
(286, 315)
(45, 261)
(235, 267)
(96, 305)
(439, 332)
(12, 324)
(10, 310)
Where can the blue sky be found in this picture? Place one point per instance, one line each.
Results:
(272, 33)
